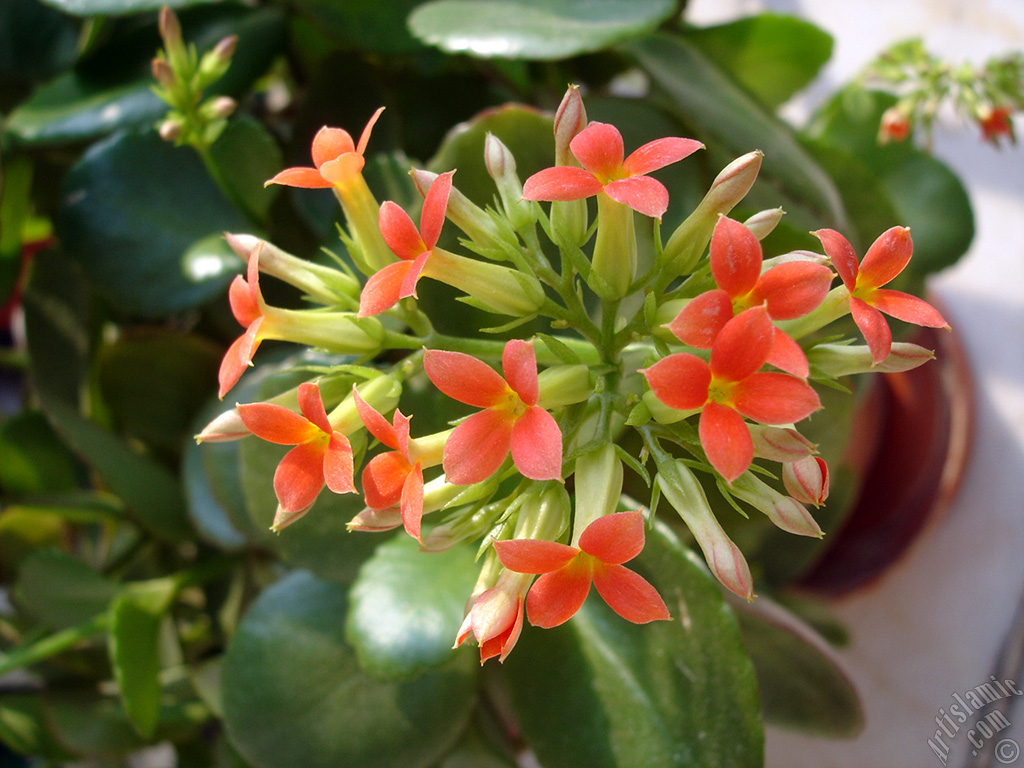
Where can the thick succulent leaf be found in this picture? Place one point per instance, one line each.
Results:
(534, 29)
(600, 691)
(60, 590)
(296, 697)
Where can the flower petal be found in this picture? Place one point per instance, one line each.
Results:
(399, 232)
(616, 538)
(908, 308)
(563, 182)
(300, 477)
(412, 276)
(384, 478)
(630, 595)
(886, 257)
(701, 320)
(775, 398)
(534, 555)
(874, 327)
(735, 256)
(788, 356)
(793, 289)
(276, 424)
(598, 147)
(307, 178)
(537, 445)
(412, 502)
(331, 143)
(743, 345)
(364, 137)
(842, 255)
(244, 307)
(519, 364)
(312, 405)
(238, 357)
(339, 472)
(477, 447)
(374, 422)
(384, 288)
(434, 207)
(659, 153)
(464, 378)
(726, 440)
(641, 193)
(555, 597)
(340, 171)
(680, 381)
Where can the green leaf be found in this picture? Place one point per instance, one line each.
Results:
(36, 42)
(364, 24)
(770, 55)
(247, 156)
(207, 507)
(117, 7)
(23, 728)
(721, 112)
(135, 650)
(406, 607)
(803, 686)
(534, 29)
(601, 692)
(15, 204)
(132, 208)
(60, 590)
(295, 696)
(32, 458)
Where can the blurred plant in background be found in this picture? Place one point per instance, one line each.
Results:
(149, 602)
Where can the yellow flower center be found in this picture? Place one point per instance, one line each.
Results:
(720, 391)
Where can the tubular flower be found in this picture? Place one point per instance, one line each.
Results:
(568, 572)
(496, 618)
(336, 159)
(394, 478)
(414, 247)
(599, 149)
(321, 454)
(788, 291)
(885, 259)
(247, 306)
(511, 419)
(730, 387)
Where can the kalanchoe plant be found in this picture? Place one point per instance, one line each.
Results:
(644, 341)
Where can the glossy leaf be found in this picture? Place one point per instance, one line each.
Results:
(116, 7)
(534, 29)
(803, 686)
(602, 692)
(771, 55)
(132, 235)
(35, 41)
(295, 696)
(247, 156)
(406, 607)
(364, 24)
(722, 113)
(61, 591)
(32, 457)
(207, 506)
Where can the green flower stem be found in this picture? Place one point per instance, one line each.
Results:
(53, 644)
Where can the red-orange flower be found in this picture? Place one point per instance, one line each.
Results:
(335, 157)
(321, 454)
(599, 149)
(511, 419)
(496, 618)
(996, 122)
(730, 387)
(413, 246)
(885, 259)
(392, 478)
(247, 306)
(568, 572)
(788, 291)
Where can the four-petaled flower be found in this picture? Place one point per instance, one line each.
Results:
(569, 571)
(511, 419)
(321, 454)
(335, 157)
(788, 291)
(599, 149)
(885, 259)
(392, 478)
(413, 246)
(730, 387)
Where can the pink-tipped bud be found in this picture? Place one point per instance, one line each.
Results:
(284, 518)
(849, 359)
(170, 27)
(729, 566)
(163, 74)
(780, 444)
(806, 480)
(570, 119)
(221, 107)
(224, 428)
(763, 223)
(171, 129)
(225, 49)
(785, 512)
(501, 166)
(376, 520)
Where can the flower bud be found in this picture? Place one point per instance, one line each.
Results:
(598, 487)
(543, 512)
(170, 27)
(562, 385)
(492, 287)
(848, 359)
(220, 107)
(224, 428)
(376, 520)
(785, 512)
(763, 223)
(570, 119)
(806, 480)
(615, 254)
(684, 492)
(496, 616)
(171, 129)
(501, 166)
(284, 518)
(780, 444)
(216, 62)
(163, 74)
(687, 243)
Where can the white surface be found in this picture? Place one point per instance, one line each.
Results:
(936, 625)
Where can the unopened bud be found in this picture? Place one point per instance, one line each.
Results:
(763, 223)
(170, 27)
(221, 106)
(376, 520)
(782, 444)
(687, 243)
(501, 166)
(570, 119)
(562, 385)
(171, 129)
(785, 512)
(806, 480)
(216, 62)
(598, 487)
(163, 74)
(283, 518)
(225, 49)
(849, 359)
(224, 428)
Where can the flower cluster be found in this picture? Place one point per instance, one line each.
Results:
(666, 338)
